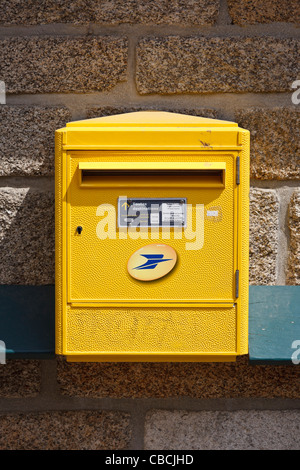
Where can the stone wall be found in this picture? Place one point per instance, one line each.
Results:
(65, 61)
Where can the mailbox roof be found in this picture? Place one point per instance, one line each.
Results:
(150, 119)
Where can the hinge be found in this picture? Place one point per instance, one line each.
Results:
(237, 170)
(237, 280)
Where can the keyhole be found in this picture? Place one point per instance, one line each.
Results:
(79, 230)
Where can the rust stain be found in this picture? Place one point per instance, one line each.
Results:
(205, 144)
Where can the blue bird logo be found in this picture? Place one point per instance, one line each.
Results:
(152, 261)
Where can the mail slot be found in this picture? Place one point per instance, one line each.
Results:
(209, 174)
(152, 233)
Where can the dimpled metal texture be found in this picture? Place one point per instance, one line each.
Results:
(58, 242)
(152, 330)
(244, 271)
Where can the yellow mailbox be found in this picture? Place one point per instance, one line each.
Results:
(152, 222)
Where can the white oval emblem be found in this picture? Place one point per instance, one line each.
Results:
(152, 262)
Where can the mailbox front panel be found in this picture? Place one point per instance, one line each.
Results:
(97, 268)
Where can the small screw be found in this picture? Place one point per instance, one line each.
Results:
(79, 230)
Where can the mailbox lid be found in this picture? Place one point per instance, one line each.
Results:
(151, 119)
(151, 130)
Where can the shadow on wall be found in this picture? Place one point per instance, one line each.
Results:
(27, 236)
